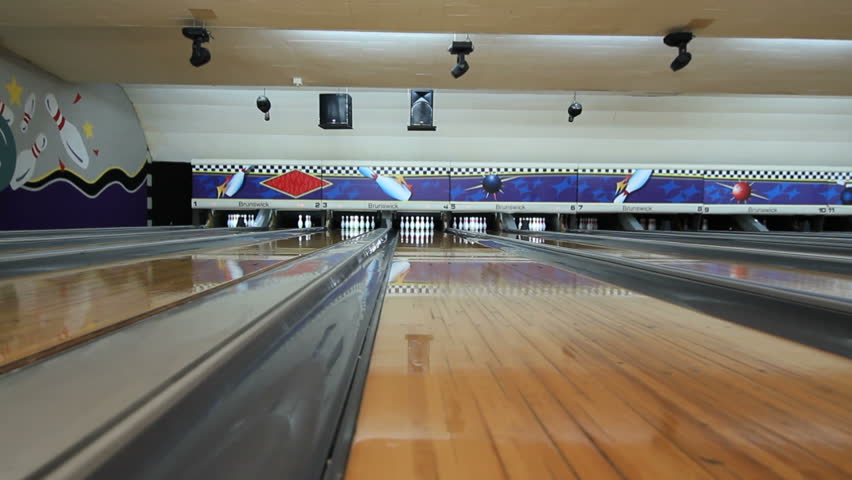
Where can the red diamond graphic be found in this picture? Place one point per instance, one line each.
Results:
(295, 183)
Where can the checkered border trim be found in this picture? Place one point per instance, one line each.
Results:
(776, 175)
(625, 171)
(258, 169)
(479, 171)
(439, 290)
(347, 171)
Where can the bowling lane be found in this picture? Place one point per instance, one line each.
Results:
(493, 366)
(835, 285)
(46, 313)
(35, 244)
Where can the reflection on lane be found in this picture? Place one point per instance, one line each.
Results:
(493, 366)
(835, 285)
(52, 311)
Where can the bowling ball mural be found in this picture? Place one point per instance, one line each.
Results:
(741, 191)
(7, 155)
(492, 185)
(846, 195)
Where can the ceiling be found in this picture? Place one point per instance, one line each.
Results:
(729, 18)
(794, 47)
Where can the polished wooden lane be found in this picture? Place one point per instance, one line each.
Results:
(504, 368)
(46, 313)
(836, 285)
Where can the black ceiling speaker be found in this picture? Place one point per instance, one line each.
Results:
(264, 105)
(335, 111)
(198, 35)
(421, 110)
(679, 40)
(460, 50)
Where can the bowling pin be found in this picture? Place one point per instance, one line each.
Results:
(704, 224)
(308, 222)
(68, 133)
(236, 182)
(7, 114)
(637, 180)
(372, 222)
(25, 164)
(652, 224)
(390, 186)
(301, 224)
(29, 109)
(362, 222)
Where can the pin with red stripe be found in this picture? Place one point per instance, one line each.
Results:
(25, 165)
(29, 109)
(71, 138)
(6, 113)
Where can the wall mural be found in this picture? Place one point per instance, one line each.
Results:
(615, 186)
(776, 187)
(593, 189)
(519, 184)
(70, 155)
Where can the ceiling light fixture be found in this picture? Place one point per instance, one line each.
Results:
(679, 41)
(198, 35)
(460, 49)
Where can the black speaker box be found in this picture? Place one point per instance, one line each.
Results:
(422, 102)
(335, 111)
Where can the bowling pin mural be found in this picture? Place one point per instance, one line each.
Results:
(631, 184)
(68, 133)
(233, 183)
(29, 110)
(6, 113)
(26, 162)
(396, 188)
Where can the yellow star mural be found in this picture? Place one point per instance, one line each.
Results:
(15, 91)
(87, 127)
(620, 186)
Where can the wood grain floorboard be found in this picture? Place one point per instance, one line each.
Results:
(478, 383)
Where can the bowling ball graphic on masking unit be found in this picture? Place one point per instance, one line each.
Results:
(7, 155)
(846, 196)
(492, 183)
(741, 191)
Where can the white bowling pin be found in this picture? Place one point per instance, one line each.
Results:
(6, 113)
(308, 222)
(372, 222)
(71, 138)
(390, 186)
(637, 180)
(29, 109)
(362, 222)
(236, 183)
(25, 164)
(652, 224)
(301, 224)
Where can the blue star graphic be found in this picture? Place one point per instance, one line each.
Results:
(691, 192)
(828, 194)
(565, 184)
(669, 186)
(793, 193)
(582, 187)
(778, 190)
